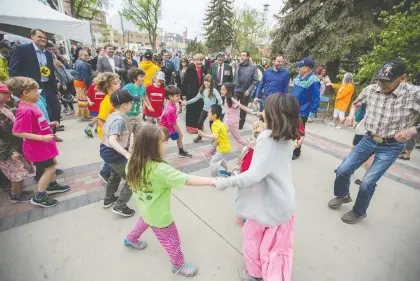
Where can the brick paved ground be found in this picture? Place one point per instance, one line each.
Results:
(88, 188)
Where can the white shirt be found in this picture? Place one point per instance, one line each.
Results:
(111, 62)
(223, 69)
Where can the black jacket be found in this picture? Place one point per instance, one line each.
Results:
(190, 86)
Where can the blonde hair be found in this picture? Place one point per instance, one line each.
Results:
(198, 56)
(83, 52)
(258, 127)
(104, 81)
(17, 85)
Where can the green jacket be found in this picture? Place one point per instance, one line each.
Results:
(4, 70)
(227, 75)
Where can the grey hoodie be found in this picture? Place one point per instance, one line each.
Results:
(265, 192)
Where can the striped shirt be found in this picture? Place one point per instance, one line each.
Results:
(387, 114)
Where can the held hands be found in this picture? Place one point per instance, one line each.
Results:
(91, 103)
(127, 155)
(47, 138)
(54, 123)
(349, 121)
(200, 133)
(405, 134)
(15, 155)
(151, 109)
(256, 100)
(246, 93)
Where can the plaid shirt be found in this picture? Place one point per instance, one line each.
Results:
(386, 115)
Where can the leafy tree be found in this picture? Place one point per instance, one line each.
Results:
(145, 14)
(400, 39)
(249, 31)
(334, 32)
(218, 24)
(82, 9)
(195, 46)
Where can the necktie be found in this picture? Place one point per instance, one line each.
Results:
(219, 75)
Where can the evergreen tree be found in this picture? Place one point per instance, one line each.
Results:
(218, 24)
(334, 32)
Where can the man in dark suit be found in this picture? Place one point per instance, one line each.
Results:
(34, 61)
(168, 67)
(110, 62)
(99, 54)
(221, 71)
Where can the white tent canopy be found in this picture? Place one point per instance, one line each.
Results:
(19, 16)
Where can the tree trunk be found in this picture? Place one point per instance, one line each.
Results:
(333, 70)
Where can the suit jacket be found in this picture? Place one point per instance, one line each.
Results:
(168, 70)
(227, 75)
(105, 66)
(24, 62)
(190, 85)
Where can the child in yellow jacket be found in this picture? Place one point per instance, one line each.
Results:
(343, 98)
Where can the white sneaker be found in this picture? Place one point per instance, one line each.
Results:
(71, 112)
(338, 127)
(331, 123)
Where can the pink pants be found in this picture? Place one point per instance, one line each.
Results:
(168, 238)
(268, 251)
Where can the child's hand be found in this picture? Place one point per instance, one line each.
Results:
(15, 155)
(151, 109)
(184, 103)
(299, 142)
(200, 133)
(54, 124)
(214, 182)
(91, 103)
(47, 138)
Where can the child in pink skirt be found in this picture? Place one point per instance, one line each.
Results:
(266, 196)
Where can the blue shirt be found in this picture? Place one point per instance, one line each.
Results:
(307, 91)
(208, 102)
(42, 60)
(176, 61)
(274, 82)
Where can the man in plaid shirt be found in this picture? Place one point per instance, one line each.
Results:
(393, 107)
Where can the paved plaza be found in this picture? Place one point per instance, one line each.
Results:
(80, 241)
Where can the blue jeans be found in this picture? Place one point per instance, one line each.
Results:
(385, 156)
(106, 170)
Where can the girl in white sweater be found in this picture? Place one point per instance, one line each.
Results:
(266, 196)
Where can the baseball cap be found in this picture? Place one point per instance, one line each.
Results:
(120, 97)
(306, 62)
(148, 55)
(160, 75)
(3, 88)
(391, 71)
(220, 54)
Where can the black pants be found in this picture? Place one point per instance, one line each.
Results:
(244, 100)
(297, 150)
(203, 117)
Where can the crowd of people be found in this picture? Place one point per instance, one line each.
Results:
(134, 101)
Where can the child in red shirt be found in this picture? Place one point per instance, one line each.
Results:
(94, 98)
(156, 94)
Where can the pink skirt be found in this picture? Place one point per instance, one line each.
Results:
(16, 170)
(268, 251)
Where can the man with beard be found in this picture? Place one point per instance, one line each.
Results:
(246, 79)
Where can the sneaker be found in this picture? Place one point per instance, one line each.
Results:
(124, 211)
(338, 201)
(294, 157)
(65, 110)
(45, 202)
(71, 112)
(138, 245)
(185, 154)
(331, 123)
(338, 127)
(55, 187)
(351, 217)
(225, 173)
(187, 270)
(24, 196)
(103, 177)
(109, 202)
(89, 133)
(58, 171)
(244, 276)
